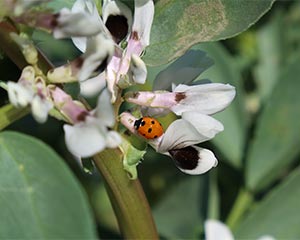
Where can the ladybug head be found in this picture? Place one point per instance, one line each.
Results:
(138, 123)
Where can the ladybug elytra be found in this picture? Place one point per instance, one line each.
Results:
(148, 127)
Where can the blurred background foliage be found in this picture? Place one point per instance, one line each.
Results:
(255, 188)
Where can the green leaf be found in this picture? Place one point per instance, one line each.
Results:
(180, 214)
(183, 71)
(277, 139)
(39, 197)
(278, 214)
(271, 53)
(180, 24)
(231, 141)
(57, 5)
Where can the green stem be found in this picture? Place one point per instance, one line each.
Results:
(213, 197)
(9, 114)
(242, 204)
(127, 197)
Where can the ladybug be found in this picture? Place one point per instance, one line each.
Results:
(148, 127)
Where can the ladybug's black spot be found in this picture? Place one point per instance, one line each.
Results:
(149, 130)
(143, 123)
(155, 136)
(186, 158)
(152, 122)
(118, 27)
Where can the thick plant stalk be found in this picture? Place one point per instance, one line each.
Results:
(127, 197)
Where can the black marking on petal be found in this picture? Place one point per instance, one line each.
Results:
(135, 36)
(185, 158)
(81, 117)
(54, 20)
(118, 27)
(77, 63)
(149, 130)
(180, 96)
(103, 65)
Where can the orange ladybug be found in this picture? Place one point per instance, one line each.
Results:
(148, 127)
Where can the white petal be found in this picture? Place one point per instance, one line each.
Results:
(266, 237)
(215, 230)
(194, 160)
(84, 139)
(19, 95)
(205, 125)
(143, 18)
(113, 139)
(138, 68)
(180, 134)
(89, 7)
(128, 120)
(75, 25)
(80, 43)
(99, 49)
(112, 76)
(115, 8)
(104, 110)
(93, 86)
(204, 98)
(40, 108)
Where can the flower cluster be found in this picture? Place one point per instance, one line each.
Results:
(112, 46)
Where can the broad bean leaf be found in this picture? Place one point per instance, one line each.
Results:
(183, 71)
(278, 214)
(39, 196)
(272, 54)
(181, 213)
(180, 24)
(231, 141)
(276, 140)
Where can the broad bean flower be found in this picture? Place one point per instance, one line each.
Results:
(194, 104)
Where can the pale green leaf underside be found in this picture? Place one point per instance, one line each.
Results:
(39, 197)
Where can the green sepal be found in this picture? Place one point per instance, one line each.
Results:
(131, 158)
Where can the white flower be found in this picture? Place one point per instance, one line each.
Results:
(126, 67)
(90, 133)
(192, 128)
(72, 24)
(31, 90)
(203, 98)
(180, 138)
(216, 230)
